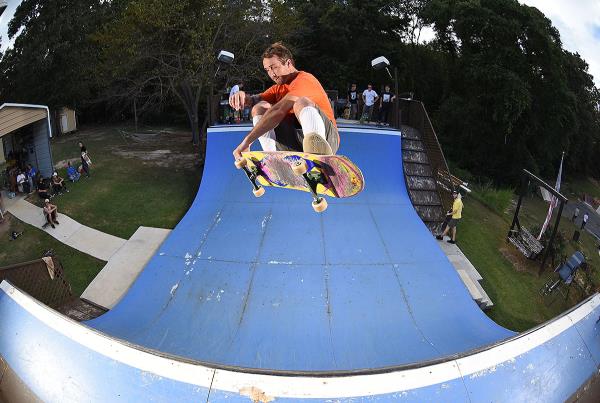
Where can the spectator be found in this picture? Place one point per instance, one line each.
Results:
(369, 97)
(21, 180)
(85, 160)
(385, 104)
(236, 114)
(58, 184)
(42, 189)
(575, 214)
(585, 220)
(457, 207)
(12, 178)
(50, 211)
(72, 173)
(353, 101)
(31, 175)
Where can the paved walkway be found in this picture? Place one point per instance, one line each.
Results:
(467, 273)
(125, 258)
(85, 239)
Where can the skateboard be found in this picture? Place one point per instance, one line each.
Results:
(330, 175)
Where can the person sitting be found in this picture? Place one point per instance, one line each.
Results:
(21, 180)
(72, 173)
(51, 212)
(58, 184)
(42, 189)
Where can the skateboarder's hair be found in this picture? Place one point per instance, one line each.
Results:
(278, 49)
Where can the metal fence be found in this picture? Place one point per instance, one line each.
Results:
(34, 278)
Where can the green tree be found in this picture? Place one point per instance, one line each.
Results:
(157, 48)
(52, 60)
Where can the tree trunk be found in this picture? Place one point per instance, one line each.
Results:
(193, 116)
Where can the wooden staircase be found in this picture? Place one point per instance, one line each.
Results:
(420, 180)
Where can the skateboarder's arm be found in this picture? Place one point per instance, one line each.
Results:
(272, 117)
(241, 99)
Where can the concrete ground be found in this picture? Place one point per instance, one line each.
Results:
(125, 258)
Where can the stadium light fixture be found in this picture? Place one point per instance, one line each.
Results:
(382, 62)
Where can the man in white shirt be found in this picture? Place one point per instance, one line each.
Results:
(21, 179)
(585, 220)
(238, 115)
(369, 98)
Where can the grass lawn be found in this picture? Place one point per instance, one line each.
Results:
(585, 185)
(510, 280)
(517, 304)
(144, 178)
(33, 243)
(148, 178)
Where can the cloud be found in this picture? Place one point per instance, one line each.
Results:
(579, 25)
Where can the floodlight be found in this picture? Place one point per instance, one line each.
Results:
(380, 62)
(224, 56)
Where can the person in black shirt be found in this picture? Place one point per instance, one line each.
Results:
(85, 160)
(385, 104)
(353, 100)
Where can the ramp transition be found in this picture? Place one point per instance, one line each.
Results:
(264, 296)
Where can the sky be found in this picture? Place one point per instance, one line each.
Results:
(579, 25)
(577, 21)
(6, 16)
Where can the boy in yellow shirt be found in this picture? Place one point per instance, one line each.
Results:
(456, 213)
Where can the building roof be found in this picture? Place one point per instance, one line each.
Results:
(15, 116)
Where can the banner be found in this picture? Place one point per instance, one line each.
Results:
(554, 201)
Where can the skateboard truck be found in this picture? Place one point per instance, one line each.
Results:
(300, 167)
(252, 174)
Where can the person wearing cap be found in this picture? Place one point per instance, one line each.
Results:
(50, 211)
(58, 184)
(456, 213)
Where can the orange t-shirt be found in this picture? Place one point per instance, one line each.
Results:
(303, 85)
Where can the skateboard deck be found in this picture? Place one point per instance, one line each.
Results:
(330, 175)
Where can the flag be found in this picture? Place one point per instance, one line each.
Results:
(554, 200)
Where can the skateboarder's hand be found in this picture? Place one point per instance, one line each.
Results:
(237, 100)
(237, 153)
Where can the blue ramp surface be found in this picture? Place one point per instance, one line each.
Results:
(268, 283)
(264, 300)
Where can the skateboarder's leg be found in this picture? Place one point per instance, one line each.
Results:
(267, 140)
(319, 133)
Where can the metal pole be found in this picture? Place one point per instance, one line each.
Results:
(522, 192)
(397, 99)
(560, 209)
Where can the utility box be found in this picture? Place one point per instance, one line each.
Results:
(67, 120)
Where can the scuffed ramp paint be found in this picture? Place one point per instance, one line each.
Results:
(361, 286)
(75, 363)
(252, 299)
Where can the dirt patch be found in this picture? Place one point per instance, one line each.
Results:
(161, 158)
(63, 163)
(166, 148)
(519, 262)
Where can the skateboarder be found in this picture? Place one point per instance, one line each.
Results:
(292, 115)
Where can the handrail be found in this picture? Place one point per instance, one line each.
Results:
(413, 113)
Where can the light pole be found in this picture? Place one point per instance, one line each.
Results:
(224, 58)
(382, 62)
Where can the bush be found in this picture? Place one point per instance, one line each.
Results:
(496, 199)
